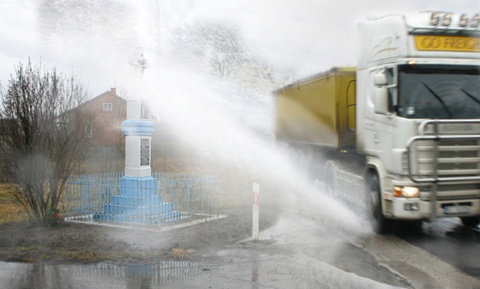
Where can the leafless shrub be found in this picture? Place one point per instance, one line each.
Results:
(42, 137)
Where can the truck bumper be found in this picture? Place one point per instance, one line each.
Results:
(417, 209)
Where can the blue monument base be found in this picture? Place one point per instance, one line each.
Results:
(138, 202)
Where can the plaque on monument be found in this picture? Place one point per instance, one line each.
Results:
(144, 152)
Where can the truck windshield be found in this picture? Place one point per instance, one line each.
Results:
(439, 91)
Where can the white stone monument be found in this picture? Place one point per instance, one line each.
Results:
(137, 201)
(138, 130)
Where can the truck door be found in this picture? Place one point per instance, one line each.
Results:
(383, 95)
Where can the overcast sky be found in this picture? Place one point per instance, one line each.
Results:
(306, 36)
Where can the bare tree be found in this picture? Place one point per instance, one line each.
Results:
(216, 45)
(44, 139)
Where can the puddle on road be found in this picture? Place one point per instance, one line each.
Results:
(19, 276)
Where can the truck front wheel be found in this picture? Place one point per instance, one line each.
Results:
(374, 204)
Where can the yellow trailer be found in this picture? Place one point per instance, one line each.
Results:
(319, 110)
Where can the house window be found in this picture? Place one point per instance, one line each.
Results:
(88, 130)
(107, 107)
(61, 122)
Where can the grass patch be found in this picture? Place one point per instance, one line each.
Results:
(22, 259)
(10, 209)
(22, 249)
(180, 252)
(86, 256)
(6, 192)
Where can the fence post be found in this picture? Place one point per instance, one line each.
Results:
(255, 211)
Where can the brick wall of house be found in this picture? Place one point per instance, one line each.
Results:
(109, 111)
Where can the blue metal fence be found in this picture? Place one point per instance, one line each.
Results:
(162, 198)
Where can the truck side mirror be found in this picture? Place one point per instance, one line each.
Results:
(380, 79)
(380, 100)
(380, 93)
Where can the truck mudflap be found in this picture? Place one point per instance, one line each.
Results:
(445, 151)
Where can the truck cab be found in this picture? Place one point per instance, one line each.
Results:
(418, 116)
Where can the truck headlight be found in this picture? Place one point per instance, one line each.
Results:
(406, 192)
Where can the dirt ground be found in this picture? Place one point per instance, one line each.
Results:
(81, 243)
(72, 243)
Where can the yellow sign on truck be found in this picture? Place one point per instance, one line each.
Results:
(447, 43)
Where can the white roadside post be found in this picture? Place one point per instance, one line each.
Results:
(255, 211)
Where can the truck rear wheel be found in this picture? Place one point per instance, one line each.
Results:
(374, 204)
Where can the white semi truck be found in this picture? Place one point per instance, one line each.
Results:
(408, 117)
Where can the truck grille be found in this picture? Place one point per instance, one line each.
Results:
(451, 192)
(455, 158)
(441, 155)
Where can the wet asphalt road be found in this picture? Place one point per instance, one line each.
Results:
(448, 240)
(445, 238)
(295, 253)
